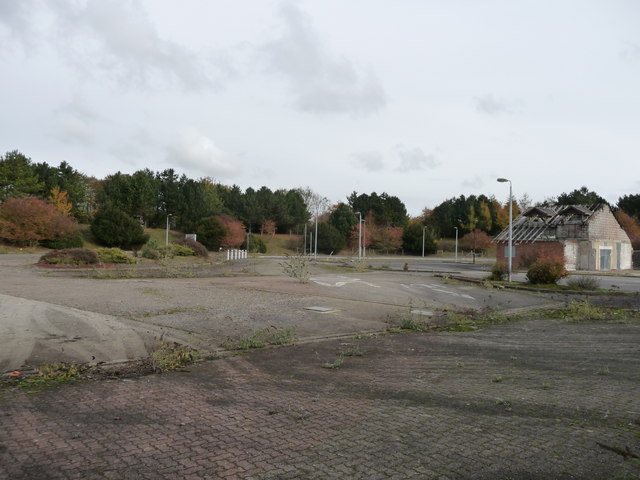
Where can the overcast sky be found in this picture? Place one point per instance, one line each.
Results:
(421, 99)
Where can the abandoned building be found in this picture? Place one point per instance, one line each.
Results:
(588, 236)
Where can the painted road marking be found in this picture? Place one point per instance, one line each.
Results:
(339, 281)
(437, 288)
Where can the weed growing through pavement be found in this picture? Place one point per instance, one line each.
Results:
(171, 356)
(337, 363)
(585, 311)
(52, 374)
(352, 350)
(267, 336)
(497, 379)
(603, 370)
(584, 283)
(546, 385)
(297, 266)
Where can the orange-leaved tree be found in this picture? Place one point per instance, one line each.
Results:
(235, 232)
(28, 221)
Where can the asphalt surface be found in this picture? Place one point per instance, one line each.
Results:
(50, 316)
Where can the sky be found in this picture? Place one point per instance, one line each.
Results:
(422, 99)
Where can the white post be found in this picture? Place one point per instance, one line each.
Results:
(423, 229)
(359, 235)
(315, 246)
(456, 244)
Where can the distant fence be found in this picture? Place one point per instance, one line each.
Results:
(236, 254)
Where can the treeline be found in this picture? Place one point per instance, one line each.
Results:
(223, 215)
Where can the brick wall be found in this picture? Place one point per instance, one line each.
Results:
(604, 226)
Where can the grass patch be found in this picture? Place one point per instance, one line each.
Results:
(584, 311)
(353, 350)
(51, 375)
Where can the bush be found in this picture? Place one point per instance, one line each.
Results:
(152, 251)
(114, 255)
(256, 245)
(182, 250)
(584, 283)
(73, 240)
(198, 249)
(70, 256)
(330, 240)
(499, 271)
(29, 221)
(546, 271)
(114, 228)
(211, 231)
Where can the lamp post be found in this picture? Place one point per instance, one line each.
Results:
(364, 244)
(456, 244)
(359, 235)
(423, 230)
(166, 236)
(509, 262)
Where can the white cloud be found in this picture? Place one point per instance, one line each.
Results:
(370, 161)
(415, 159)
(197, 153)
(320, 82)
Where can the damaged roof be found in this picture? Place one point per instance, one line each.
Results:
(540, 223)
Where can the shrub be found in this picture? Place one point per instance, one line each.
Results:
(73, 240)
(211, 231)
(256, 245)
(28, 221)
(152, 251)
(584, 283)
(499, 271)
(114, 228)
(182, 250)
(296, 266)
(546, 271)
(199, 250)
(114, 255)
(70, 256)
(330, 240)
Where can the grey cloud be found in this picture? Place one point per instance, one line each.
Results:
(370, 161)
(415, 159)
(491, 105)
(320, 81)
(16, 17)
(117, 38)
(475, 182)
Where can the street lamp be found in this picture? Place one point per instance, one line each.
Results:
(364, 243)
(503, 180)
(166, 237)
(423, 230)
(359, 235)
(456, 244)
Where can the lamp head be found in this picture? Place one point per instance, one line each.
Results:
(503, 180)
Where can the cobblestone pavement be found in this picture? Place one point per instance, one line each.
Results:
(523, 400)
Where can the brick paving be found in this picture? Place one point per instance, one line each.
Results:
(523, 400)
